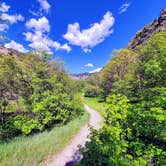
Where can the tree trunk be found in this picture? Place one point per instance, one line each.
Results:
(17, 105)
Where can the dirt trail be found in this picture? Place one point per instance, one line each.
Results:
(70, 154)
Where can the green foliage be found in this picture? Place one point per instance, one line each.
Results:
(90, 91)
(92, 87)
(37, 149)
(135, 122)
(79, 85)
(109, 145)
(25, 124)
(116, 71)
(37, 93)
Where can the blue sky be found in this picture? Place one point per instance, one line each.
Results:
(82, 32)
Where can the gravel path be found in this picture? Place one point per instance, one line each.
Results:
(70, 154)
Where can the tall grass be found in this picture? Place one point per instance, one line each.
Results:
(38, 149)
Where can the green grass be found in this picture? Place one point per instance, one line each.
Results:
(36, 150)
(95, 104)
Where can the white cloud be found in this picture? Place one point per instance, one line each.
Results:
(34, 13)
(41, 42)
(12, 18)
(3, 27)
(39, 39)
(65, 47)
(16, 46)
(88, 38)
(44, 5)
(96, 70)
(87, 50)
(124, 7)
(89, 65)
(42, 24)
(4, 7)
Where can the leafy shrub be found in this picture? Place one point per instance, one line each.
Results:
(37, 93)
(7, 129)
(135, 124)
(90, 91)
(25, 124)
(109, 145)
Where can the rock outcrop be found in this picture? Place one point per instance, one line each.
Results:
(8, 51)
(148, 31)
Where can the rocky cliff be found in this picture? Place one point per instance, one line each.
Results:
(8, 51)
(148, 31)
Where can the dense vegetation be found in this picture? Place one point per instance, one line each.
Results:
(35, 94)
(39, 149)
(133, 85)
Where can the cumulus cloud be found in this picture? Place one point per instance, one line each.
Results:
(65, 47)
(4, 7)
(5, 17)
(89, 65)
(12, 18)
(16, 46)
(39, 39)
(41, 42)
(42, 24)
(124, 7)
(3, 27)
(96, 70)
(88, 38)
(44, 5)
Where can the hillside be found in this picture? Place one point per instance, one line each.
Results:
(9, 51)
(148, 31)
(133, 87)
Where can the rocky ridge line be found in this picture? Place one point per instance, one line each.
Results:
(148, 31)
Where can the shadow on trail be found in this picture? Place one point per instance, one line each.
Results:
(76, 157)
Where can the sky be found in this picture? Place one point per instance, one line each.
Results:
(83, 33)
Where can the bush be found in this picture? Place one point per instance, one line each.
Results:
(127, 138)
(90, 91)
(37, 93)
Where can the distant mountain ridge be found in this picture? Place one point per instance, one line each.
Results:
(80, 76)
(148, 31)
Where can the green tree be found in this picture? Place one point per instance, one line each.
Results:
(135, 127)
(35, 94)
(92, 88)
(119, 67)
